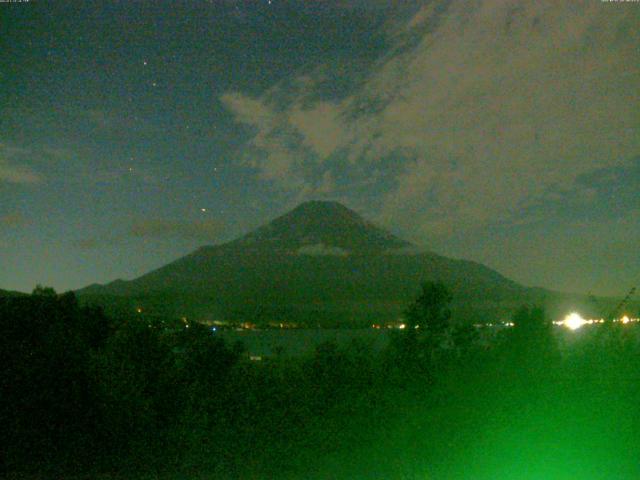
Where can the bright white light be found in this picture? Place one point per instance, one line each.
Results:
(574, 321)
(625, 320)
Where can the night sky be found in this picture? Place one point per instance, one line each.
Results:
(505, 132)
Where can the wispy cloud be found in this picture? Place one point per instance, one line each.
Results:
(274, 149)
(13, 166)
(201, 230)
(92, 243)
(12, 220)
(158, 230)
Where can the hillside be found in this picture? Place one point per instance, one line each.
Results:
(9, 293)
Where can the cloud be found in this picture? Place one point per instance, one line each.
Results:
(90, 243)
(13, 168)
(9, 222)
(273, 150)
(113, 122)
(18, 174)
(486, 107)
(600, 195)
(248, 110)
(577, 256)
(12, 220)
(157, 229)
(320, 128)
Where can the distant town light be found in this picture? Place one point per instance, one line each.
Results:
(574, 321)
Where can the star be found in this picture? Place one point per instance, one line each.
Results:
(203, 209)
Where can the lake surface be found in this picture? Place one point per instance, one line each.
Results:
(300, 342)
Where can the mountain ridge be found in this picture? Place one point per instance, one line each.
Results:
(320, 260)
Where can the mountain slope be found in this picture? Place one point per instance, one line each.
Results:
(320, 262)
(8, 293)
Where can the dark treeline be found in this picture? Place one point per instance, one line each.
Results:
(83, 394)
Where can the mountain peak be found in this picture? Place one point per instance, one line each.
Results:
(322, 226)
(328, 206)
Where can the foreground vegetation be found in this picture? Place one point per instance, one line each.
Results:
(87, 395)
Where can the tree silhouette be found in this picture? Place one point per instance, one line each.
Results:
(426, 321)
(531, 345)
(41, 291)
(430, 311)
(532, 331)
